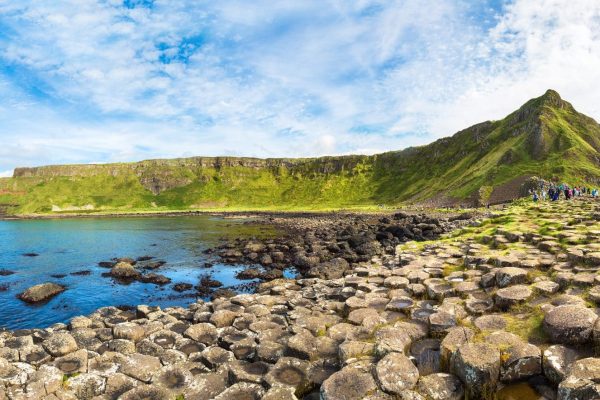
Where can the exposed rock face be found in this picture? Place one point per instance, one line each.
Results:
(41, 292)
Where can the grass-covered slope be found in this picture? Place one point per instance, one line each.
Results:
(545, 137)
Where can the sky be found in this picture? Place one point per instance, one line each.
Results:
(85, 81)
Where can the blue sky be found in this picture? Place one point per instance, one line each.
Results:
(107, 80)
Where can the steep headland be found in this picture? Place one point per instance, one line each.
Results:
(484, 163)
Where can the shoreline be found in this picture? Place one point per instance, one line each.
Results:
(433, 211)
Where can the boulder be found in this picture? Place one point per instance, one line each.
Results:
(41, 292)
(123, 270)
(570, 324)
(333, 269)
(156, 279)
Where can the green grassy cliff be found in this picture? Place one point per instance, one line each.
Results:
(546, 137)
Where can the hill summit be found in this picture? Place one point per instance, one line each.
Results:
(485, 163)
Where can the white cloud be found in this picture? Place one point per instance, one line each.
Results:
(6, 174)
(88, 80)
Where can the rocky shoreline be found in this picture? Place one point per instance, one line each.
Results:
(502, 308)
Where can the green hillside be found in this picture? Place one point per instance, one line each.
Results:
(546, 137)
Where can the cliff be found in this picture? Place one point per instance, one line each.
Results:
(487, 162)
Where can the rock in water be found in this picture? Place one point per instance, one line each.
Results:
(124, 270)
(41, 292)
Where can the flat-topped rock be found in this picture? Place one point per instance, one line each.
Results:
(349, 383)
(41, 292)
(512, 295)
(478, 367)
(570, 324)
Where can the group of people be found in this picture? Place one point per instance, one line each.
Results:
(553, 192)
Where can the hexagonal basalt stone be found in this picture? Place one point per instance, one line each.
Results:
(243, 371)
(441, 386)
(204, 333)
(396, 373)
(146, 392)
(60, 343)
(242, 390)
(570, 324)
(509, 276)
(512, 295)
(290, 372)
(478, 367)
(349, 383)
(73, 363)
(557, 360)
(173, 378)
(582, 381)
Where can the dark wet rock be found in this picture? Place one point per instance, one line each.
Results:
(107, 264)
(223, 293)
(153, 265)
(144, 258)
(332, 269)
(123, 270)
(182, 287)
(41, 292)
(156, 279)
(570, 324)
(6, 272)
(81, 273)
(58, 276)
(30, 254)
(248, 273)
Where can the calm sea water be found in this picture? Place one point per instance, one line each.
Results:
(71, 245)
